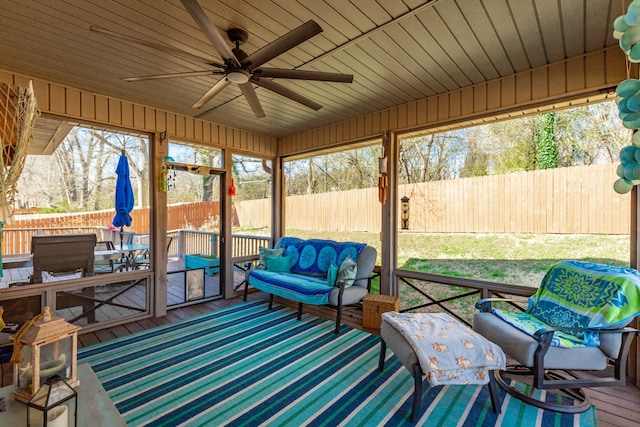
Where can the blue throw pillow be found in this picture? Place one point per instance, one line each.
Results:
(264, 253)
(332, 275)
(278, 264)
(347, 271)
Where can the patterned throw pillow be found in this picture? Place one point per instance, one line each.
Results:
(264, 253)
(347, 271)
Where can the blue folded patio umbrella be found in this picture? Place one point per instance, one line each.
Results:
(124, 196)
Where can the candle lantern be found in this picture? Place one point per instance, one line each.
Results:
(53, 405)
(404, 212)
(44, 347)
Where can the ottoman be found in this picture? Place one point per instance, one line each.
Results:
(442, 349)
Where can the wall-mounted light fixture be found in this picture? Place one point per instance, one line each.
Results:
(404, 213)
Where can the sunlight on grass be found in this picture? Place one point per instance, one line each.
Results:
(519, 259)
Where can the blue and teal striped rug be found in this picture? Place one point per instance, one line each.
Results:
(247, 366)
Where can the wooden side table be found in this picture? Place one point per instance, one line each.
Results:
(373, 305)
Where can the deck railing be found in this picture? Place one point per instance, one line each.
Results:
(17, 241)
(208, 243)
(426, 292)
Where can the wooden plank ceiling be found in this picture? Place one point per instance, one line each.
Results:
(397, 50)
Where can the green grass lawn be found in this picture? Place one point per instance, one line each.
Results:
(508, 258)
(520, 259)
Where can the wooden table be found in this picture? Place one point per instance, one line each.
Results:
(95, 408)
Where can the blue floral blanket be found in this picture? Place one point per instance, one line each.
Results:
(578, 294)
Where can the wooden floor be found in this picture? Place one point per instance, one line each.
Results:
(617, 406)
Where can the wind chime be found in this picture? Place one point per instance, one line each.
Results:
(383, 180)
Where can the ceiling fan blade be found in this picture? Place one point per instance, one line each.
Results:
(287, 93)
(291, 39)
(172, 75)
(160, 47)
(279, 73)
(210, 31)
(250, 94)
(213, 91)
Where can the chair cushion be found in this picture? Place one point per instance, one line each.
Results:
(351, 295)
(365, 263)
(522, 346)
(530, 324)
(399, 344)
(296, 287)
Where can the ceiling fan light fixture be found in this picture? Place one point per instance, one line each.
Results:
(237, 66)
(238, 76)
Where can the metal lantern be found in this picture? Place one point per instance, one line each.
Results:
(44, 347)
(53, 405)
(404, 212)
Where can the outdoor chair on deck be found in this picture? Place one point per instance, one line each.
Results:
(140, 258)
(104, 265)
(576, 321)
(62, 255)
(66, 254)
(143, 258)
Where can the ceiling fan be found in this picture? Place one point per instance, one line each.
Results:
(240, 68)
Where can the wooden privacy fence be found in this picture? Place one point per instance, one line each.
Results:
(185, 215)
(17, 237)
(575, 200)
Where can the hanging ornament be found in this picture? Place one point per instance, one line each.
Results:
(626, 29)
(232, 188)
(167, 175)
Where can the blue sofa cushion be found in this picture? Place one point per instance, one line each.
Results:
(315, 256)
(279, 264)
(296, 287)
(264, 253)
(332, 275)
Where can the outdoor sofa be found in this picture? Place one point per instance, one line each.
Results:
(315, 271)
